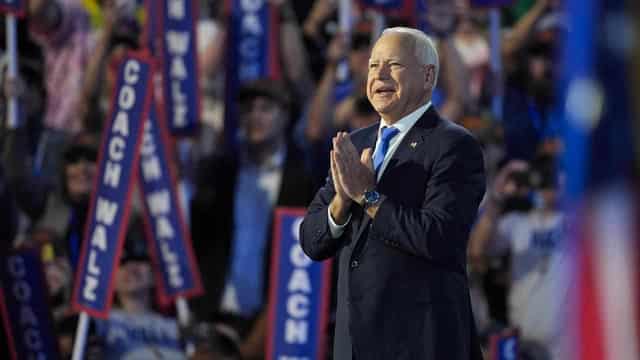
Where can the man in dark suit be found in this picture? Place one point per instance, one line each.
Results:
(232, 213)
(397, 210)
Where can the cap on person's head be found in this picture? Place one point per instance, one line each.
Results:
(269, 88)
(77, 152)
(135, 246)
(82, 147)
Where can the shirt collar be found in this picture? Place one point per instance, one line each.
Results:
(407, 122)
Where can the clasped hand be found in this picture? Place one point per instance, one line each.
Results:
(352, 173)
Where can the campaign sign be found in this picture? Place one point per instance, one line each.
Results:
(298, 294)
(179, 56)
(164, 222)
(504, 346)
(117, 168)
(25, 308)
(15, 7)
(384, 4)
(491, 3)
(252, 52)
(139, 336)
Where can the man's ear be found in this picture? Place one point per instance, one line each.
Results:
(429, 76)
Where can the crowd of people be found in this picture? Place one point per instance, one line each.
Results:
(285, 126)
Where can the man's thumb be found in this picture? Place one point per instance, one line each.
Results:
(365, 157)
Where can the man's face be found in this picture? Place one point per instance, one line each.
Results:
(397, 83)
(134, 276)
(262, 120)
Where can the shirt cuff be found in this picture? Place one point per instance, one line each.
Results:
(335, 229)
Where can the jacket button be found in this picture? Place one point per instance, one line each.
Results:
(355, 264)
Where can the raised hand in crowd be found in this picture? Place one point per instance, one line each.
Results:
(508, 183)
(320, 12)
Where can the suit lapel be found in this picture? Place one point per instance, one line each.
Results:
(415, 138)
(412, 142)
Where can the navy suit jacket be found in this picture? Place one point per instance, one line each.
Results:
(402, 285)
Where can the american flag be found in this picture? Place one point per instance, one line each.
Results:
(601, 188)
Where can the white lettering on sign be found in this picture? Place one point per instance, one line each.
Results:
(16, 266)
(112, 172)
(251, 38)
(21, 290)
(298, 306)
(251, 5)
(107, 210)
(295, 331)
(300, 281)
(178, 43)
(177, 9)
(159, 204)
(299, 287)
(180, 109)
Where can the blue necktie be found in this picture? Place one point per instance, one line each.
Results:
(381, 151)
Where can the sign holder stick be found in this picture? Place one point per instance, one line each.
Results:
(81, 336)
(12, 71)
(184, 318)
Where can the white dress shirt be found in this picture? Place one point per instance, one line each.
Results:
(404, 125)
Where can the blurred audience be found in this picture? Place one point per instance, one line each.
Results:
(232, 213)
(522, 217)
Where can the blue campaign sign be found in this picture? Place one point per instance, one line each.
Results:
(298, 294)
(252, 53)
(384, 4)
(504, 346)
(15, 7)
(109, 208)
(179, 56)
(164, 222)
(491, 3)
(25, 307)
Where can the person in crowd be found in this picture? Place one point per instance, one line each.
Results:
(119, 33)
(232, 211)
(335, 102)
(529, 122)
(397, 210)
(473, 48)
(63, 30)
(60, 210)
(134, 329)
(64, 33)
(538, 291)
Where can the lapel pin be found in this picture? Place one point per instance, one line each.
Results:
(413, 145)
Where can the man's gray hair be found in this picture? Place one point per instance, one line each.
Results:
(423, 46)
